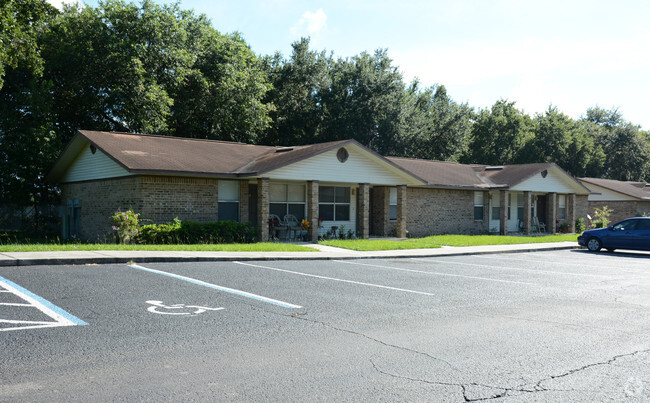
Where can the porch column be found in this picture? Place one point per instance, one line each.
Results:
(571, 212)
(312, 210)
(401, 211)
(363, 211)
(503, 199)
(551, 212)
(263, 209)
(243, 201)
(528, 200)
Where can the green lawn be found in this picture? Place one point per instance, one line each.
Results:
(357, 244)
(248, 247)
(438, 241)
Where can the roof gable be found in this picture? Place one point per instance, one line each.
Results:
(360, 166)
(610, 189)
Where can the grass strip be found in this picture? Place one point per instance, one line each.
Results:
(247, 247)
(438, 241)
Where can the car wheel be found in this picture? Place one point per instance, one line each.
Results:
(594, 244)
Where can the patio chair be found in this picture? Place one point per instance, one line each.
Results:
(293, 225)
(276, 226)
(539, 227)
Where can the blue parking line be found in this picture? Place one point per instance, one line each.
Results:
(44, 302)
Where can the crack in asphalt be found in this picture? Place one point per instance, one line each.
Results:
(464, 387)
(383, 343)
(538, 385)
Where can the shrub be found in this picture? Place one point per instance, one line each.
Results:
(601, 217)
(127, 225)
(189, 232)
(580, 225)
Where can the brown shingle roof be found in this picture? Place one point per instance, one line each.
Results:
(444, 174)
(510, 175)
(637, 190)
(149, 153)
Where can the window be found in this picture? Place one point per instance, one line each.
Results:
(495, 207)
(287, 199)
(520, 207)
(228, 193)
(561, 210)
(393, 205)
(478, 205)
(334, 203)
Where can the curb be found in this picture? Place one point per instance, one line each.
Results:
(17, 262)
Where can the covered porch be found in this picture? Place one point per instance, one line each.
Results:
(331, 209)
(529, 212)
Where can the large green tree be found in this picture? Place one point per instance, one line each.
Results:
(434, 126)
(364, 101)
(153, 69)
(560, 139)
(499, 134)
(21, 22)
(298, 87)
(626, 147)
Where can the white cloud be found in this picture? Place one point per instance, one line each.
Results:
(310, 24)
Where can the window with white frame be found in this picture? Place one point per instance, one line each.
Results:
(520, 207)
(561, 209)
(228, 194)
(495, 205)
(334, 203)
(287, 199)
(479, 202)
(392, 205)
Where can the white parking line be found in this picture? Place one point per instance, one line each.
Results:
(510, 268)
(335, 279)
(436, 273)
(219, 288)
(61, 317)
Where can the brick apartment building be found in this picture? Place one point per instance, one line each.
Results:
(341, 185)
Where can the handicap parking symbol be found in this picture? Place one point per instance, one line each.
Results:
(178, 309)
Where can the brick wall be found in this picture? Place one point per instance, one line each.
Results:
(439, 211)
(158, 199)
(99, 200)
(189, 199)
(620, 209)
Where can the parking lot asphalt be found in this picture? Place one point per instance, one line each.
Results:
(321, 252)
(563, 325)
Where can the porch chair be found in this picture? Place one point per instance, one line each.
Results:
(540, 227)
(276, 226)
(293, 224)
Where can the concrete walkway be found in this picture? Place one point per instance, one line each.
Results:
(323, 253)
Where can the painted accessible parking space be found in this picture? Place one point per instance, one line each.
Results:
(20, 309)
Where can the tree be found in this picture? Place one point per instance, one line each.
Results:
(364, 101)
(560, 139)
(28, 144)
(298, 87)
(21, 21)
(499, 135)
(152, 69)
(626, 148)
(435, 127)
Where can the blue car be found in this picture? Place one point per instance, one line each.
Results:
(632, 233)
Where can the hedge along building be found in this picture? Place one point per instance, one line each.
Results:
(624, 199)
(338, 184)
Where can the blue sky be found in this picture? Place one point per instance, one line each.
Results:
(572, 54)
